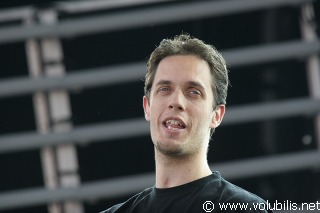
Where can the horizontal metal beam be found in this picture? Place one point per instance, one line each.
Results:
(271, 110)
(16, 14)
(79, 135)
(87, 191)
(139, 18)
(271, 52)
(269, 165)
(20, 13)
(132, 184)
(74, 81)
(139, 127)
(136, 71)
(96, 5)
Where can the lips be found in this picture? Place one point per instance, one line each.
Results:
(174, 123)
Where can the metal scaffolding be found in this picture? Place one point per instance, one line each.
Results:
(50, 86)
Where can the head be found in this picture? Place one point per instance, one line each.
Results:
(186, 45)
(185, 94)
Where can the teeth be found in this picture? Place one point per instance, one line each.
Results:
(174, 122)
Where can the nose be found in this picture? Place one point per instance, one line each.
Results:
(177, 101)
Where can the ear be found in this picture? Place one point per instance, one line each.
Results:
(146, 108)
(217, 116)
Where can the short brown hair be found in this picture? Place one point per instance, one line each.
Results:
(184, 44)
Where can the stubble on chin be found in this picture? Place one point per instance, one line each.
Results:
(169, 150)
(182, 150)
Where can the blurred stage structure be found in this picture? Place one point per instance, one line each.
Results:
(56, 138)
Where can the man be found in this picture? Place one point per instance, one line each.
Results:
(185, 95)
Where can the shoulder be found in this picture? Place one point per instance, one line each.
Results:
(130, 203)
(229, 195)
(234, 193)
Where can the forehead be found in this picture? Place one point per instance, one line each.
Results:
(183, 68)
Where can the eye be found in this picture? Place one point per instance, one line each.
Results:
(195, 92)
(164, 89)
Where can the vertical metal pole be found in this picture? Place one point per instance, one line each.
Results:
(308, 28)
(268, 128)
(41, 110)
(52, 111)
(270, 77)
(60, 112)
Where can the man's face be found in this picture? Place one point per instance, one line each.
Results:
(180, 108)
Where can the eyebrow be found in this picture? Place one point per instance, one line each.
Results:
(190, 83)
(196, 84)
(164, 82)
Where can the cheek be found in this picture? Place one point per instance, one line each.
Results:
(157, 106)
(155, 110)
(204, 116)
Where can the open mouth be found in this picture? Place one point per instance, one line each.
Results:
(174, 124)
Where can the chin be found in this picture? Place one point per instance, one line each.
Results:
(174, 151)
(169, 149)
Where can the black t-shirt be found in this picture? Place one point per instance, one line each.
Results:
(208, 194)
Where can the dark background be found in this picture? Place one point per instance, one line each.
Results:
(250, 84)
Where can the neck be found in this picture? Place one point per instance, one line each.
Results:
(175, 171)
